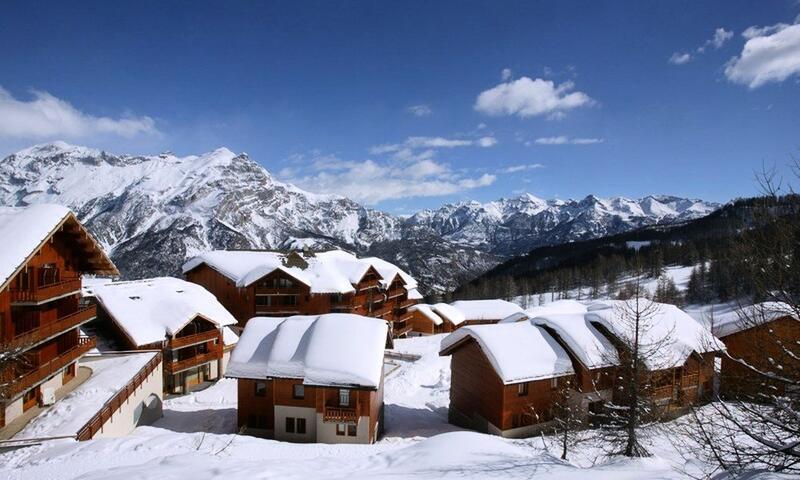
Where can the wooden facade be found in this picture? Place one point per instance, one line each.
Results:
(479, 399)
(423, 325)
(286, 409)
(40, 315)
(768, 346)
(278, 294)
(190, 357)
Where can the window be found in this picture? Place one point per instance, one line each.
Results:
(261, 389)
(340, 429)
(290, 300)
(262, 422)
(554, 383)
(299, 391)
(263, 301)
(251, 421)
(522, 389)
(344, 397)
(351, 429)
(289, 424)
(300, 426)
(284, 283)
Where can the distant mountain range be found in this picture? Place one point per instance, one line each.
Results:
(152, 212)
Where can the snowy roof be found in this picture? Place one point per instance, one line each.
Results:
(24, 229)
(751, 316)
(427, 311)
(681, 334)
(519, 352)
(229, 337)
(335, 349)
(334, 271)
(110, 374)
(413, 294)
(552, 308)
(150, 310)
(590, 346)
(461, 311)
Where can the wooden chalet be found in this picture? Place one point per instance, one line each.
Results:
(278, 284)
(315, 378)
(505, 377)
(446, 317)
(181, 319)
(44, 251)
(682, 373)
(762, 337)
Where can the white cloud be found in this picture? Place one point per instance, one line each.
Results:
(373, 181)
(678, 58)
(720, 38)
(526, 97)
(522, 168)
(505, 75)
(414, 143)
(564, 140)
(46, 116)
(771, 54)
(420, 110)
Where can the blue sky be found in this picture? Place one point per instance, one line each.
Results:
(409, 105)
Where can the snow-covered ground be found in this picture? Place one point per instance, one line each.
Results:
(195, 439)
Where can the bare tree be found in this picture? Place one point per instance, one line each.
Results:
(14, 360)
(568, 417)
(755, 422)
(633, 405)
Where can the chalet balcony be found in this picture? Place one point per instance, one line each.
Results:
(293, 290)
(406, 303)
(45, 293)
(666, 391)
(690, 381)
(337, 414)
(45, 370)
(188, 340)
(405, 317)
(51, 329)
(395, 293)
(381, 311)
(368, 284)
(181, 365)
(401, 330)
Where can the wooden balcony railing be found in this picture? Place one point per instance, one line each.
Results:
(340, 414)
(43, 332)
(381, 311)
(664, 392)
(402, 330)
(406, 303)
(95, 424)
(405, 317)
(181, 365)
(368, 284)
(202, 337)
(43, 371)
(690, 381)
(293, 290)
(395, 293)
(41, 293)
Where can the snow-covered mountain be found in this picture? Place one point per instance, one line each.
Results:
(514, 226)
(151, 212)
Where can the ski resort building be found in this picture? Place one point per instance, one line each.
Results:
(314, 378)
(181, 319)
(682, 367)
(44, 251)
(761, 337)
(445, 317)
(505, 377)
(278, 284)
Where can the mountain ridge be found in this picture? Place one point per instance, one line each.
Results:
(153, 211)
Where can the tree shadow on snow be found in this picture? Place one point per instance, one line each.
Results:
(219, 420)
(406, 422)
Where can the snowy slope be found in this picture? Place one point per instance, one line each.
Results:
(153, 212)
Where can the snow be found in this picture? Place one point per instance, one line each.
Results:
(450, 313)
(300, 347)
(428, 312)
(519, 352)
(736, 320)
(110, 373)
(590, 346)
(229, 337)
(334, 271)
(680, 333)
(556, 307)
(150, 310)
(22, 230)
(196, 439)
(494, 309)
